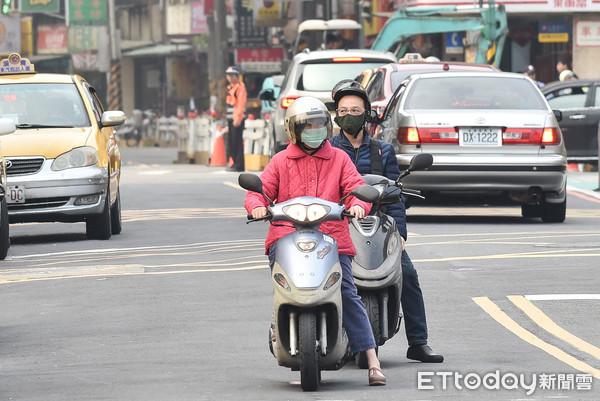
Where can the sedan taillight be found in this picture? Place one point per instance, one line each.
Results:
(531, 136)
(414, 135)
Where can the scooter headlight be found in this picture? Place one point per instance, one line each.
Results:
(304, 213)
(316, 212)
(392, 244)
(296, 212)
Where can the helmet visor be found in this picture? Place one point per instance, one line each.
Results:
(301, 124)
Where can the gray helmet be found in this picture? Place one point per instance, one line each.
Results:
(303, 111)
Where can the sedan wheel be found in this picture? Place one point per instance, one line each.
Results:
(99, 226)
(115, 215)
(554, 212)
(4, 226)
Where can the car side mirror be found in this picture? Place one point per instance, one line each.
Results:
(557, 114)
(267, 94)
(373, 117)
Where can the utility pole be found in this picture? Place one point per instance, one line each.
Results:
(114, 77)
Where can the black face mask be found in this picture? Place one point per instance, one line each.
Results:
(351, 124)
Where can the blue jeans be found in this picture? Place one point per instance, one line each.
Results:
(354, 314)
(413, 305)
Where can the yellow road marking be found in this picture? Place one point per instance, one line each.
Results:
(496, 313)
(550, 326)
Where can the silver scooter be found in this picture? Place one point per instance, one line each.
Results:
(307, 300)
(376, 268)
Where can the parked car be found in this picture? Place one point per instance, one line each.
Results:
(315, 74)
(579, 102)
(493, 137)
(7, 126)
(63, 162)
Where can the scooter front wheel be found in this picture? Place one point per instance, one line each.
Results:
(307, 344)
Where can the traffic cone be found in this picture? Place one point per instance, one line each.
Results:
(218, 153)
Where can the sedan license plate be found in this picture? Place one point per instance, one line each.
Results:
(15, 194)
(480, 136)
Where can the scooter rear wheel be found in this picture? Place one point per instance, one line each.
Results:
(307, 344)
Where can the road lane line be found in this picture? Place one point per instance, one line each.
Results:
(562, 297)
(498, 315)
(542, 320)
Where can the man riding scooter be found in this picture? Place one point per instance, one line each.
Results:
(372, 156)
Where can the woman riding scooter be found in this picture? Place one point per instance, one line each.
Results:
(310, 166)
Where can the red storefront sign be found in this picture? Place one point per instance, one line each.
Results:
(51, 39)
(260, 54)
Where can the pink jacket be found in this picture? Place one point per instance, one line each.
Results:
(328, 174)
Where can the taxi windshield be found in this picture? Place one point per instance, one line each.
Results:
(43, 105)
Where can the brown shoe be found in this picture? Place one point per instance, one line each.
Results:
(376, 377)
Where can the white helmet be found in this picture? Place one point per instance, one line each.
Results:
(306, 110)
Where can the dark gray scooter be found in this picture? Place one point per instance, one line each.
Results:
(377, 267)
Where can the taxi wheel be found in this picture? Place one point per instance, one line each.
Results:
(99, 226)
(4, 235)
(115, 215)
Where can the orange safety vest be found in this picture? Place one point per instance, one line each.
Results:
(236, 102)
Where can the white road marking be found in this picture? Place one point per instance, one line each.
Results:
(561, 297)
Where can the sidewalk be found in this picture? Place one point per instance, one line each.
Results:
(584, 182)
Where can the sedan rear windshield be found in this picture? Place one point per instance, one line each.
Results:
(43, 105)
(323, 77)
(474, 93)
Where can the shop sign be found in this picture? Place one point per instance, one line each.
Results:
(85, 37)
(84, 11)
(40, 6)
(587, 33)
(247, 32)
(51, 39)
(553, 32)
(10, 33)
(270, 13)
(90, 61)
(266, 59)
(199, 24)
(454, 43)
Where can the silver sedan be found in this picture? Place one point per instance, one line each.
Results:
(493, 137)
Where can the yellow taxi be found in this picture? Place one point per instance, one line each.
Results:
(7, 126)
(63, 162)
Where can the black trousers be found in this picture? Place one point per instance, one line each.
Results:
(235, 142)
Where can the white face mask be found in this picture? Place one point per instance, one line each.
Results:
(313, 137)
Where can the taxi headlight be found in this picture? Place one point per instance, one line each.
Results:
(78, 157)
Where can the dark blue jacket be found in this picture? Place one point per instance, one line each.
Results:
(362, 159)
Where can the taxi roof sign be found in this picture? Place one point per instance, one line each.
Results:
(15, 64)
(412, 58)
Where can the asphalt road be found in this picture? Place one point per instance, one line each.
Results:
(177, 306)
